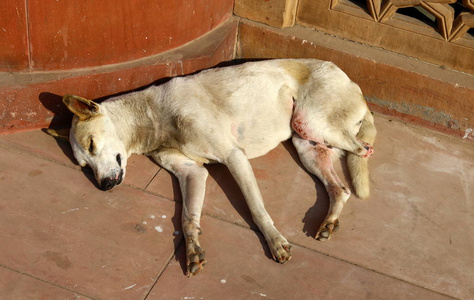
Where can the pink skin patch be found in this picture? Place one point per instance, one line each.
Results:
(234, 130)
(369, 149)
(301, 127)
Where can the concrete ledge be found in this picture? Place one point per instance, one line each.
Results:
(396, 85)
(31, 100)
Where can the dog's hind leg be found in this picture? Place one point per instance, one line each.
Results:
(317, 159)
(192, 181)
(241, 170)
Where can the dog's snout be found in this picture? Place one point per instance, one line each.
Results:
(108, 183)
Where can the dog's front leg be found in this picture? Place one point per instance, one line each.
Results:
(192, 181)
(241, 170)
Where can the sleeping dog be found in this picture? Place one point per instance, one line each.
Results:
(229, 115)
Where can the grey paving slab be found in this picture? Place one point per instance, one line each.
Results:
(416, 226)
(240, 268)
(14, 285)
(413, 239)
(140, 169)
(59, 228)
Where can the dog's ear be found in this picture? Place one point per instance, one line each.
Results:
(60, 134)
(83, 108)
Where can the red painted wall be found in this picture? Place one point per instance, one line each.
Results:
(58, 35)
(44, 42)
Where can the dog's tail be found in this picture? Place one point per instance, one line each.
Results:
(358, 166)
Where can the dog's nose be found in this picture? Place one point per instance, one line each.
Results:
(120, 177)
(108, 183)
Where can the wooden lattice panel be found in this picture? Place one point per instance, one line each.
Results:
(437, 31)
(464, 21)
(450, 26)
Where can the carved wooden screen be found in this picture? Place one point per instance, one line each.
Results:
(438, 31)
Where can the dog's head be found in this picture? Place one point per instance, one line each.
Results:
(95, 142)
(354, 124)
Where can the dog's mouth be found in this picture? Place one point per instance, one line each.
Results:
(108, 183)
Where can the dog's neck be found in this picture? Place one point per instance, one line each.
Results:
(137, 121)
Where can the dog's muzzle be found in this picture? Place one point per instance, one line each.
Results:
(108, 183)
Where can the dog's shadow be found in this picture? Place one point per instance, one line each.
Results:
(229, 186)
(312, 219)
(315, 214)
(61, 123)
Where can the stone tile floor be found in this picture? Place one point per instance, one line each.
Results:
(62, 238)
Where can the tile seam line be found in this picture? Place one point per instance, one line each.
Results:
(160, 273)
(152, 178)
(18, 148)
(45, 281)
(339, 259)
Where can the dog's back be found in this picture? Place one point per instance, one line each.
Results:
(252, 101)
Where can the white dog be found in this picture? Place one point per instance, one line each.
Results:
(229, 115)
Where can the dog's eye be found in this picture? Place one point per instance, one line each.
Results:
(91, 146)
(360, 122)
(119, 159)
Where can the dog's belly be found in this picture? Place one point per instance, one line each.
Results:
(256, 132)
(257, 144)
(259, 135)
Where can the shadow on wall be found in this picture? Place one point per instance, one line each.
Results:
(62, 117)
(54, 104)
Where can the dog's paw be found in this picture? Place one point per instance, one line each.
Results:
(281, 249)
(195, 260)
(327, 229)
(369, 149)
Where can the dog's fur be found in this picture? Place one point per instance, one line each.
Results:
(229, 115)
